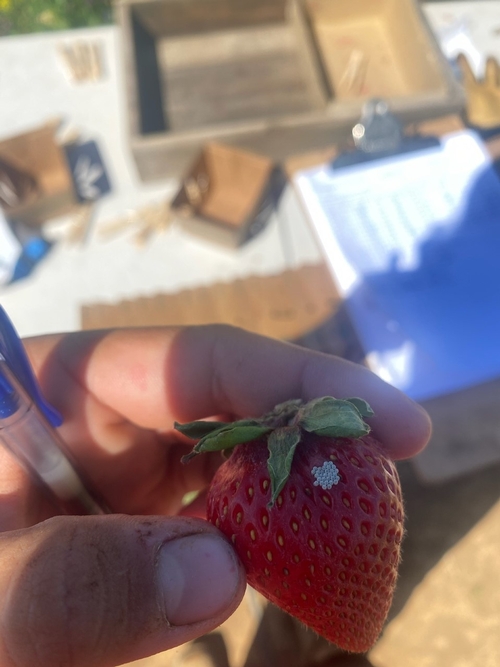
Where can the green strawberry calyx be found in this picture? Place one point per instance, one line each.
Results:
(283, 427)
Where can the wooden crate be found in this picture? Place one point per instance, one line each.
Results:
(228, 195)
(259, 74)
(381, 48)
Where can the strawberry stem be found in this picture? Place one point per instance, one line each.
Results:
(283, 426)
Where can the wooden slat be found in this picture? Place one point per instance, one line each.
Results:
(287, 305)
(182, 17)
(249, 73)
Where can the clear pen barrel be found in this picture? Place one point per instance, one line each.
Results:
(26, 433)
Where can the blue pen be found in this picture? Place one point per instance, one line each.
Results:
(28, 430)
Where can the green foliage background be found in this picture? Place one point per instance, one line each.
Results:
(25, 16)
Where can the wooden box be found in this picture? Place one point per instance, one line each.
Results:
(228, 194)
(37, 154)
(263, 74)
(379, 48)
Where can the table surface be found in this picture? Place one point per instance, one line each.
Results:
(34, 89)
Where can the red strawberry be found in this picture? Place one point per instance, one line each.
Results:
(314, 509)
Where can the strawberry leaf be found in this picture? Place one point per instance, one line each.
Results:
(228, 436)
(283, 413)
(362, 407)
(233, 434)
(333, 417)
(281, 444)
(197, 430)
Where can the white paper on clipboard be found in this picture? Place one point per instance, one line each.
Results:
(413, 243)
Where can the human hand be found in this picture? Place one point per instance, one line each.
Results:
(97, 591)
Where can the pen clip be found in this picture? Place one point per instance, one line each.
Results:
(12, 350)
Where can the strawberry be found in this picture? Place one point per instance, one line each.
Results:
(314, 509)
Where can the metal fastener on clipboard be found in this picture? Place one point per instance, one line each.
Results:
(378, 130)
(379, 134)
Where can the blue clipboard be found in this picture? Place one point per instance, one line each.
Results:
(430, 327)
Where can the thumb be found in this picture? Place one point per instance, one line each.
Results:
(102, 591)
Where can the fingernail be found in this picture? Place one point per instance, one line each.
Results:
(198, 578)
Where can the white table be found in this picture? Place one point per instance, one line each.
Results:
(34, 88)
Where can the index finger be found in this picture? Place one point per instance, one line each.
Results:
(153, 377)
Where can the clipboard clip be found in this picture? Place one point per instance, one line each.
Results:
(379, 134)
(378, 130)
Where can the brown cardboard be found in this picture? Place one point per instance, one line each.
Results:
(289, 305)
(255, 74)
(38, 154)
(466, 433)
(227, 194)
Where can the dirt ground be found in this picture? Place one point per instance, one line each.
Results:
(446, 611)
(449, 594)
